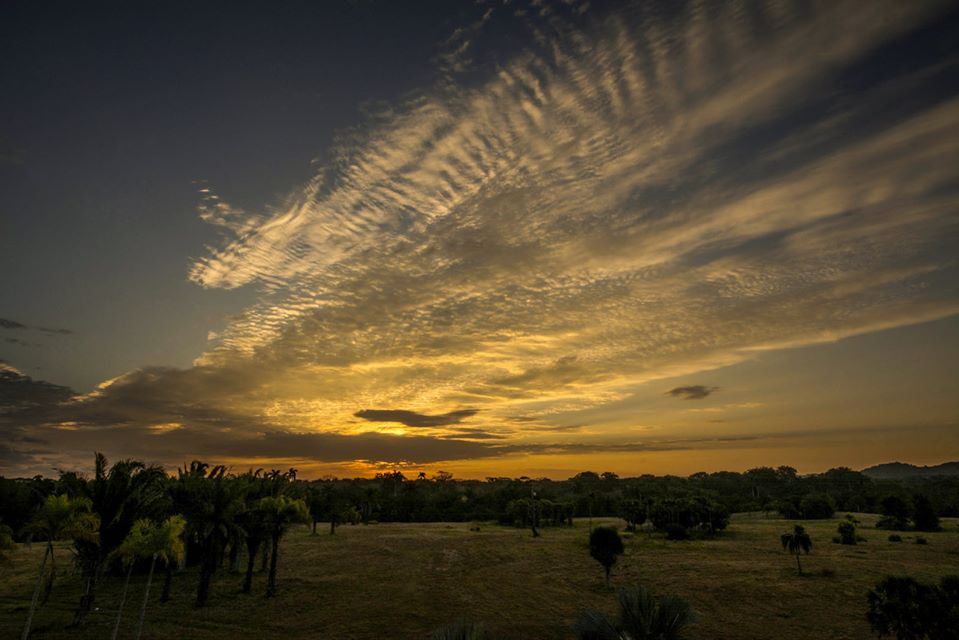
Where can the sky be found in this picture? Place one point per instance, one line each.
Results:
(491, 238)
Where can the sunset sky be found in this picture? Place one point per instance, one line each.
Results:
(493, 238)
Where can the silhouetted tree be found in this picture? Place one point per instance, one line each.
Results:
(924, 516)
(641, 617)
(209, 501)
(633, 511)
(280, 513)
(604, 546)
(896, 513)
(797, 541)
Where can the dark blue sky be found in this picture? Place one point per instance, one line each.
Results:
(275, 219)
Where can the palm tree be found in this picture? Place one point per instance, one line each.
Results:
(164, 542)
(253, 522)
(281, 512)
(641, 617)
(131, 549)
(119, 496)
(58, 516)
(604, 545)
(210, 501)
(795, 542)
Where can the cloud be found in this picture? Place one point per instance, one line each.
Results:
(413, 419)
(13, 324)
(20, 393)
(635, 196)
(695, 392)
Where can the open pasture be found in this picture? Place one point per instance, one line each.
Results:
(403, 580)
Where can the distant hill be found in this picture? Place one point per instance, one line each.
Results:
(895, 470)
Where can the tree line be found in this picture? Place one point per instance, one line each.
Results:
(699, 501)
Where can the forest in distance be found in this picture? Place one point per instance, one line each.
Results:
(130, 517)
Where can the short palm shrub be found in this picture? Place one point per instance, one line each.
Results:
(462, 630)
(642, 616)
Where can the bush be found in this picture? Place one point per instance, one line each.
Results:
(921, 540)
(676, 531)
(893, 537)
(605, 545)
(460, 631)
(904, 608)
(847, 532)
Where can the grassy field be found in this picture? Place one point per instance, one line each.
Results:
(401, 581)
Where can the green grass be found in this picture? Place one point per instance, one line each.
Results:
(402, 581)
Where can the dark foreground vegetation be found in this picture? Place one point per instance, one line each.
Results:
(95, 544)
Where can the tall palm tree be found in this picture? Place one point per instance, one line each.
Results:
(641, 617)
(129, 551)
(253, 521)
(210, 501)
(281, 512)
(164, 542)
(795, 542)
(58, 516)
(119, 495)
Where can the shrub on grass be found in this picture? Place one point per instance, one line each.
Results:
(642, 616)
(847, 532)
(460, 631)
(921, 540)
(895, 537)
(900, 606)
